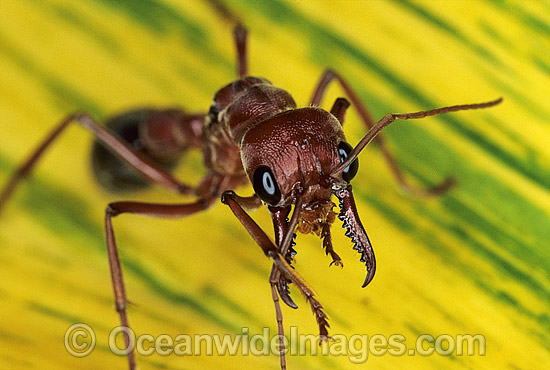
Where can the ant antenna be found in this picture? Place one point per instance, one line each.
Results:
(390, 117)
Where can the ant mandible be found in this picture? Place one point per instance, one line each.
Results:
(253, 132)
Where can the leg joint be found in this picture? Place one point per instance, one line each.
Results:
(111, 211)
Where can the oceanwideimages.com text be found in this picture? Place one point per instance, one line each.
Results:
(80, 341)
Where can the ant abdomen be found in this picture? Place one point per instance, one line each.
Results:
(110, 171)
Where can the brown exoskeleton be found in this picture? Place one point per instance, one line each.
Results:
(295, 158)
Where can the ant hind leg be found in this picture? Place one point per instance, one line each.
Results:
(121, 149)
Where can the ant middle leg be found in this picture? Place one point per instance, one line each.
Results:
(330, 75)
(147, 209)
(240, 34)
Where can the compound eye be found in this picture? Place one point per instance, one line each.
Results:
(350, 171)
(265, 186)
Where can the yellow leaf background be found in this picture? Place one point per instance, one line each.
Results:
(475, 261)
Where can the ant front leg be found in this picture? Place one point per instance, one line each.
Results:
(281, 266)
(328, 76)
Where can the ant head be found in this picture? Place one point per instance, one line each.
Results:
(295, 157)
(294, 153)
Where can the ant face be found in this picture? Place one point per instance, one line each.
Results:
(294, 158)
(293, 153)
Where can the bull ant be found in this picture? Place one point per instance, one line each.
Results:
(294, 157)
